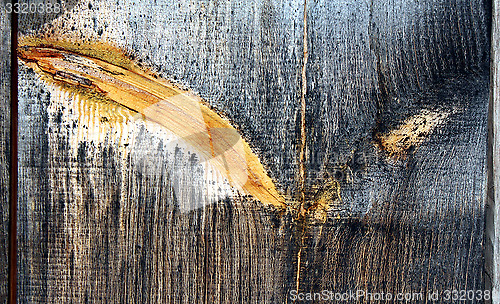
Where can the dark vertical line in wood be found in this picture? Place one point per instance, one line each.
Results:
(489, 234)
(373, 41)
(13, 160)
(205, 258)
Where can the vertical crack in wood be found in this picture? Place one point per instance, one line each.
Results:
(302, 171)
(13, 182)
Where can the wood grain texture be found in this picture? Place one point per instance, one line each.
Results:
(132, 219)
(492, 231)
(119, 213)
(4, 151)
(415, 224)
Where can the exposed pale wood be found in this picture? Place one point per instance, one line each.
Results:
(178, 110)
(4, 151)
(113, 212)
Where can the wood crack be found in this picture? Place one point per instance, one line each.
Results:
(302, 170)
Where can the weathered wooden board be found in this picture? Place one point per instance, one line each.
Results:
(4, 151)
(492, 231)
(130, 221)
(117, 213)
(416, 223)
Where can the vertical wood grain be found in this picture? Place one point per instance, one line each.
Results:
(4, 151)
(492, 245)
(115, 213)
(414, 223)
(125, 218)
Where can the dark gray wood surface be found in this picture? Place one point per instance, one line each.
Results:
(415, 224)
(492, 231)
(4, 151)
(113, 213)
(127, 222)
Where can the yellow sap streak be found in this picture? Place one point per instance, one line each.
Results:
(180, 111)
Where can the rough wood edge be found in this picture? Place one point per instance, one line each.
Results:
(492, 247)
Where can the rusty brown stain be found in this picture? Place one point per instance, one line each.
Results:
(324, 199)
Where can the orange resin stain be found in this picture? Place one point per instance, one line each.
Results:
(102, 73)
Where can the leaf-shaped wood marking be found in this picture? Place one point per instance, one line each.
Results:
(180, 111)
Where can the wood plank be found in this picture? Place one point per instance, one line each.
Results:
(116, 212)
(4, 151)
(492, 246)
(134, 219)
(413, 221)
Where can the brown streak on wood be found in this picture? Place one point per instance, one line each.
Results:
(302, 171)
